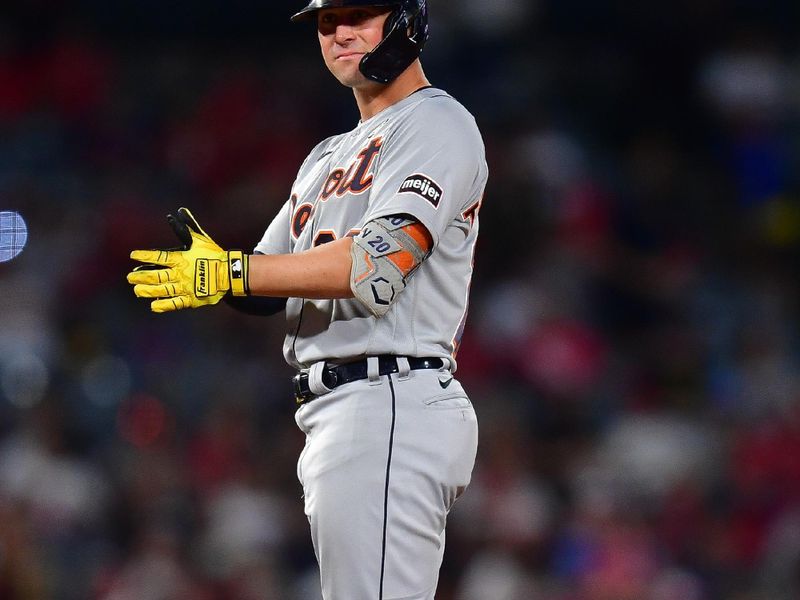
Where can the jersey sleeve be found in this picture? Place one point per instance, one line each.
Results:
(431, 167)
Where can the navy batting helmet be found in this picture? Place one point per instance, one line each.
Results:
(404, 35)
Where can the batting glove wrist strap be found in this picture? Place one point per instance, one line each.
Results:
(198, 273)
(238, 272)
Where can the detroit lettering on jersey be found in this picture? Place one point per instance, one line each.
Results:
(300, 215)
(354, 180)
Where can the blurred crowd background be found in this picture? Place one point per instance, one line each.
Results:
(632, 348)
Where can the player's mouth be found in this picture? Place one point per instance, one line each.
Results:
(350, 56)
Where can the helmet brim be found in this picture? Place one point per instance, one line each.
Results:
(307, 14)
(310, 12)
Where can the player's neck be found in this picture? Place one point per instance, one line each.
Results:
(374, 98)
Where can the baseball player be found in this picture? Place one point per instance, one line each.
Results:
(371, 259)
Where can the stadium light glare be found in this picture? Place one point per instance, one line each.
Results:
(13, 235)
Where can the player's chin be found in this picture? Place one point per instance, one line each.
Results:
(352, 78)
(347, 72)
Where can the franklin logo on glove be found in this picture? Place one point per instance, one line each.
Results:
(202, 277)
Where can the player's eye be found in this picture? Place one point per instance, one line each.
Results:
(329, 20)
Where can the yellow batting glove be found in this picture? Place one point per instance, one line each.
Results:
(197, 274)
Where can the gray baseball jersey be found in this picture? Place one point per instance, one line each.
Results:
(387, 455)
(422, 156)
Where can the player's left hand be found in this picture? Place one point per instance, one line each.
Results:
(196, 274)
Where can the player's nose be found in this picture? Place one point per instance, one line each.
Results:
(344, 33)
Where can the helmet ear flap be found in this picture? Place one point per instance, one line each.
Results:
(405, 32)
(392, 20)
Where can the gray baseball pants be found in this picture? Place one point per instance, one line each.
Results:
(384, 460)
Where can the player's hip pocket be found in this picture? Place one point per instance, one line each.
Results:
(451, 400)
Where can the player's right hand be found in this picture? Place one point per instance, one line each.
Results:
(198, 273)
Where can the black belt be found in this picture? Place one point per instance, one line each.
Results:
(334, 376)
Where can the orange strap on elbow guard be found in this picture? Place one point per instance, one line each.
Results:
(385, 254)
(407, 259)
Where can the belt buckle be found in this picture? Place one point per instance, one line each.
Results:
(330, 378)
(302, 393)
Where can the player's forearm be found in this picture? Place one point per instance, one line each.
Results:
(321, 272)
